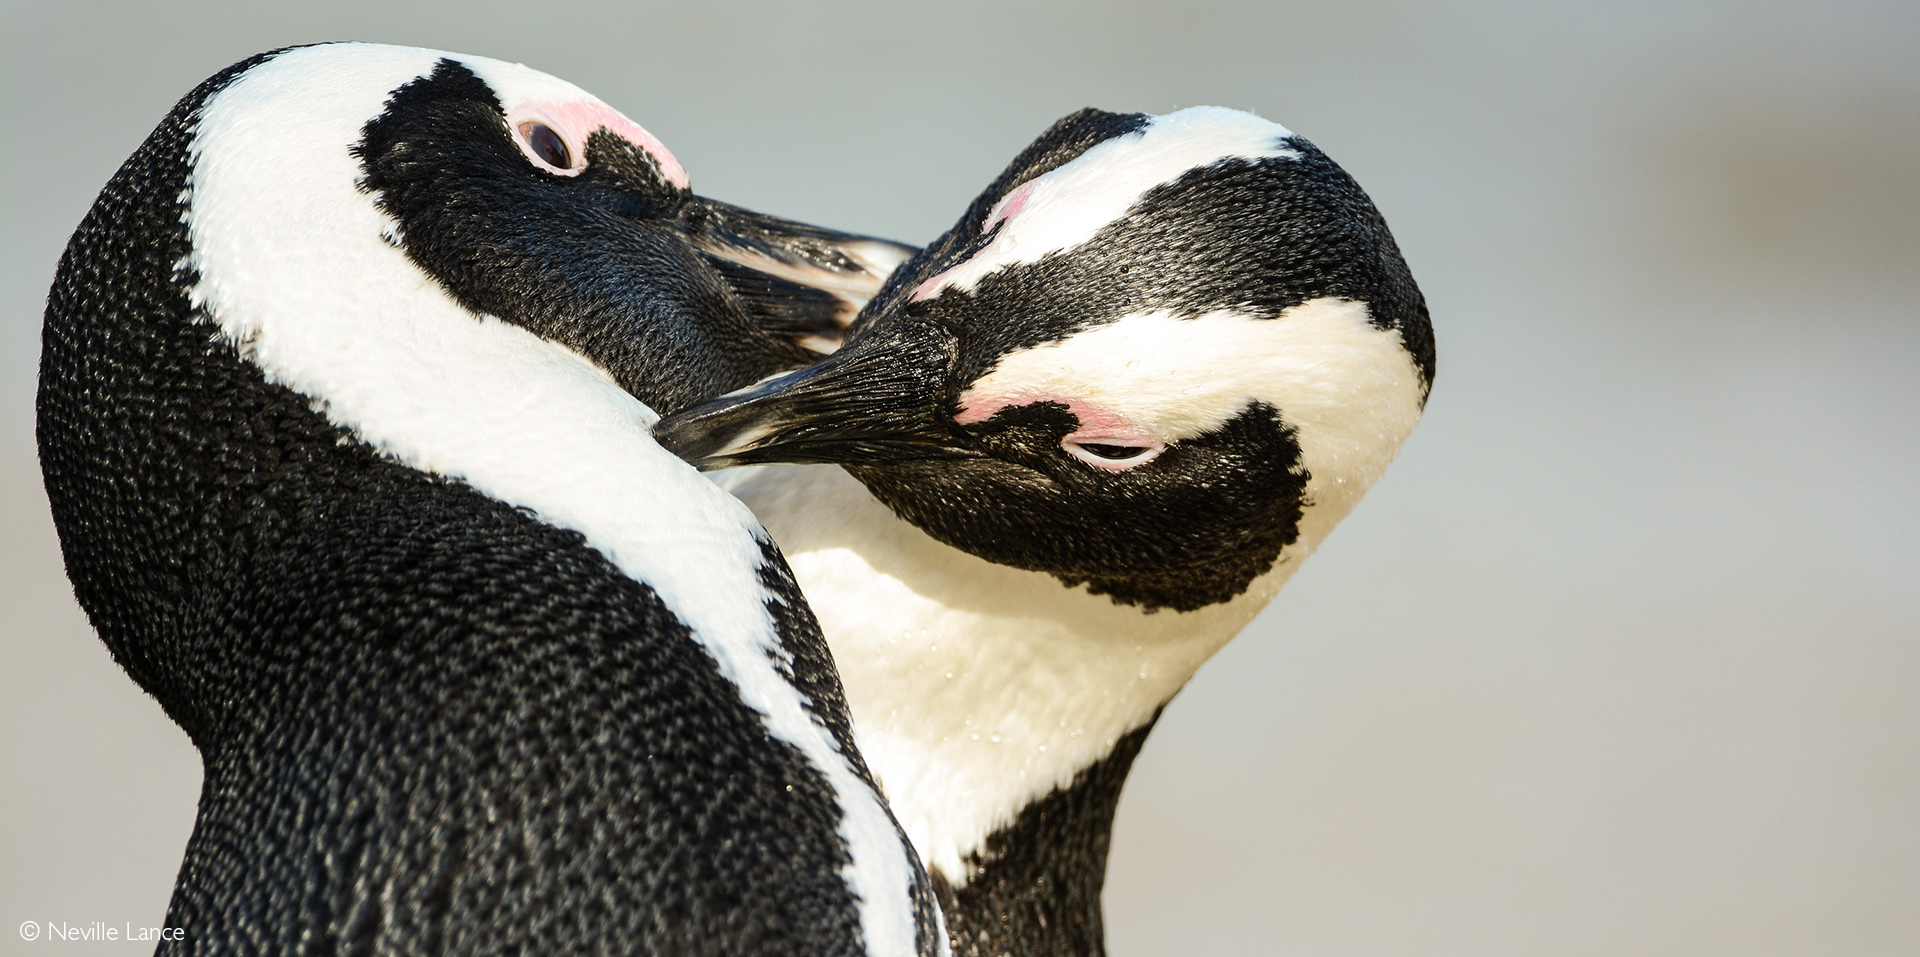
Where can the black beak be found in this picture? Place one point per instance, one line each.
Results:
(801, 282)
(880, 399)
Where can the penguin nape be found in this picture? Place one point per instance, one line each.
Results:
(1086, 435)
(344, 403)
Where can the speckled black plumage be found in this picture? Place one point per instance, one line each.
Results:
(429, 722)
(1035, 891)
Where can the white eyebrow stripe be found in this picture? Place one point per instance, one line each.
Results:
(1350, 389)
(1066, 207)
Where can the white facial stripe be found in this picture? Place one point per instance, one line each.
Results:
(293, 269)
(1066, 207)
(1349, 388)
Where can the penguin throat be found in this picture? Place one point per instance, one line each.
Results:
(1035, 887)
(976, 689)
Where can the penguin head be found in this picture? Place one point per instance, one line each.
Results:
(519, 196)
(1153, 355)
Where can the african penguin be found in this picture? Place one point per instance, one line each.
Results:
(343, 416)
(1086, 435)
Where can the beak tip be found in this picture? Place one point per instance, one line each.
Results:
(705, 440)
(855, 407)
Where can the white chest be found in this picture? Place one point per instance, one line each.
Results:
(975, 688)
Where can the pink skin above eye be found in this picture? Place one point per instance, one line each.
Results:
(1097, 427)
(1009, 206)
(1006, 209)
(575, 120)
(926, 289)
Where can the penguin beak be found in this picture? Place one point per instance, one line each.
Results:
(878, 400)
(802, 282)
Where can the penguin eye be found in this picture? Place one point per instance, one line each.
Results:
(547, 145)
(1111, 453)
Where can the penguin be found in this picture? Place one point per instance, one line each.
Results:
(1068, 452)
(343, 417)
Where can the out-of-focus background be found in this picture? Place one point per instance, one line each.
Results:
(1623, 655)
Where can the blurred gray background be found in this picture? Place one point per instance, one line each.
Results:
(1623, 655)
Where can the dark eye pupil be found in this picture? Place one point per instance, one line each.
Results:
(548, 146)
(1110, 451)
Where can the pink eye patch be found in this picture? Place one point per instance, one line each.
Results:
(575, 120)
(976, 408)
(1104, 439)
